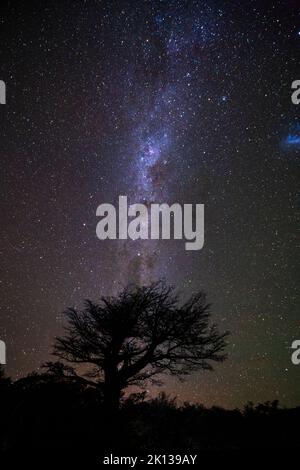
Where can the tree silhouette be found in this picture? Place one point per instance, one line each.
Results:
(137, 336)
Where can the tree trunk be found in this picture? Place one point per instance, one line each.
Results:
(112, 392)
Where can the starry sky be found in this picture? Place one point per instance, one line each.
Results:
(162, 101)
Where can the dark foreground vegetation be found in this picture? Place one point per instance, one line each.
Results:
(77, 406)
(39, 414)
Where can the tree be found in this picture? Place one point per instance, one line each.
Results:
(137, 336)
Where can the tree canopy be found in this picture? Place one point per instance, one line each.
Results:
(136, 336)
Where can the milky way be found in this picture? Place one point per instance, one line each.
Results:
(175, 101)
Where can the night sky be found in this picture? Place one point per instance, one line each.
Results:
(163, 101)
